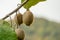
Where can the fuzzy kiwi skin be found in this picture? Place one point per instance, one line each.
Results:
(18, 19)
(28, 18)
(20, 34)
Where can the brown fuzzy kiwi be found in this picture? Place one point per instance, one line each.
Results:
(20, 34)
(28, 18)
(18, 19)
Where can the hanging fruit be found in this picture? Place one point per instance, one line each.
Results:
(28, 18)
(20, 34)
(18, 18)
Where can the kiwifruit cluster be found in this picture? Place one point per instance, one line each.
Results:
(20, 34)
(18, 18)
(28, 18)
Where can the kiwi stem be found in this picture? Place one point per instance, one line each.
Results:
(17, 18)
(11, 21)
(27, 9)
(15, 10)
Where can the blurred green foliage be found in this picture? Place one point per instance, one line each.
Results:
(42, 29)
(6, 32)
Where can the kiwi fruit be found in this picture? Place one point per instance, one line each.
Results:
(20, 34)
(18, 18)
(28, 18)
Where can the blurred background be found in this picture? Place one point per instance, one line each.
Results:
(46, 24)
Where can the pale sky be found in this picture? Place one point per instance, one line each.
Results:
(49, 9)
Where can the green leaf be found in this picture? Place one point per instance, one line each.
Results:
(31, 3)
(6, 32)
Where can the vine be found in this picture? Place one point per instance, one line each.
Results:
(15, 10)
